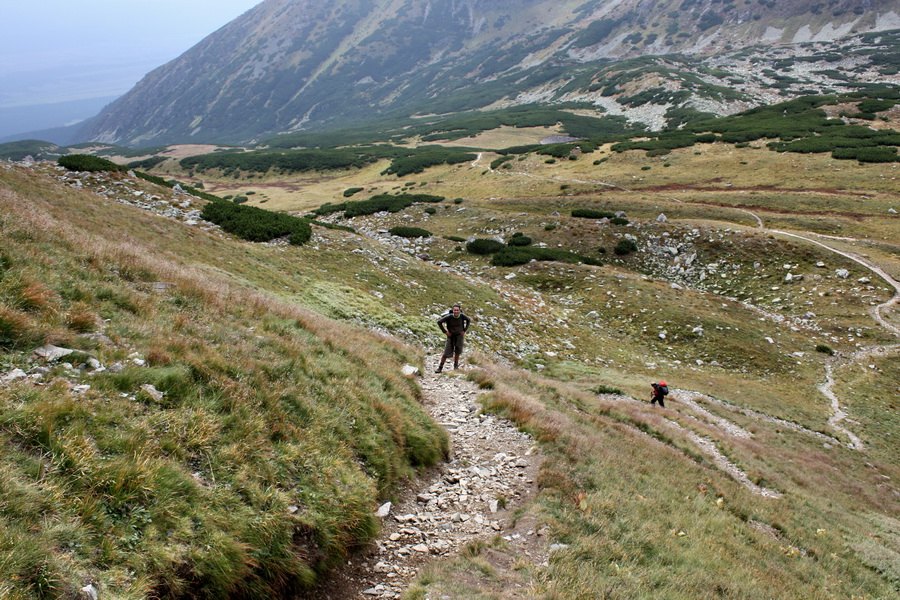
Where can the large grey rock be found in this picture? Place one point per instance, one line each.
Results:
(14, 375)
(52, 353)
(154, 393)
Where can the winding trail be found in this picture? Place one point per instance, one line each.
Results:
(827, 387)
(491, 470)
(704, 444)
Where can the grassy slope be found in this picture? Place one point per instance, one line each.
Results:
(581, 326)
(812, 542)
(258, 468)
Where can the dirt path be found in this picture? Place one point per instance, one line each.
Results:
(491, 470)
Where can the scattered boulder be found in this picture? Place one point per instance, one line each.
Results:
(842, 273)
(154, 393)
(662, 218)
(89, 592)
(14, 375)
(52, 353)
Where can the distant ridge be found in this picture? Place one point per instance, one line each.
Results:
(295, 65)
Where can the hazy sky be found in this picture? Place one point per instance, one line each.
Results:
(60, 50)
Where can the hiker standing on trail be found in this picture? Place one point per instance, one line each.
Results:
(454, 325)
(660, 391)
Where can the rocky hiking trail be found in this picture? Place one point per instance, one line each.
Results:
(490, 471)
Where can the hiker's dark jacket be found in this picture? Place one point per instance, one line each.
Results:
(454, 325)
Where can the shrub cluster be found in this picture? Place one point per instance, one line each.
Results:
(666, 142)
(87, 162)
(867, 155)
(625, 246)
(519, 239)
(588, 213)
(379, 203)
(511, 256)
(386, 202)
(484, 246)
(290, 161)
(427, 157)
(350, 191)
(256, 224)
(409, 232)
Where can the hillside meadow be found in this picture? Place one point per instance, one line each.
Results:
(284, 420)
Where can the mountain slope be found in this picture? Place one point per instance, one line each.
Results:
(279, 430)
(292, 64)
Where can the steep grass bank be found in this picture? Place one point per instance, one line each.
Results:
(202, 440)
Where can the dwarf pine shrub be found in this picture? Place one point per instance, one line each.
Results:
(256, 224)
(588, 213)
(625, 246)
(512, 256)
(87, 162)
(484, 246)
(409, 232)
(519, 239)
(385, 202)
(880, 154)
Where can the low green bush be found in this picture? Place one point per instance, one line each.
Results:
(379, 203)
(587, 213)
(256, 224)
(484, 246)
(426, 157)
(880, 154)
(519, 239)
(87, 162)
(619, 221)
(511, 256)
(625, 246)
(409, 232)
(825, 349)
(498, 162)
(606, 389)
(350, 191)
(455, 238)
